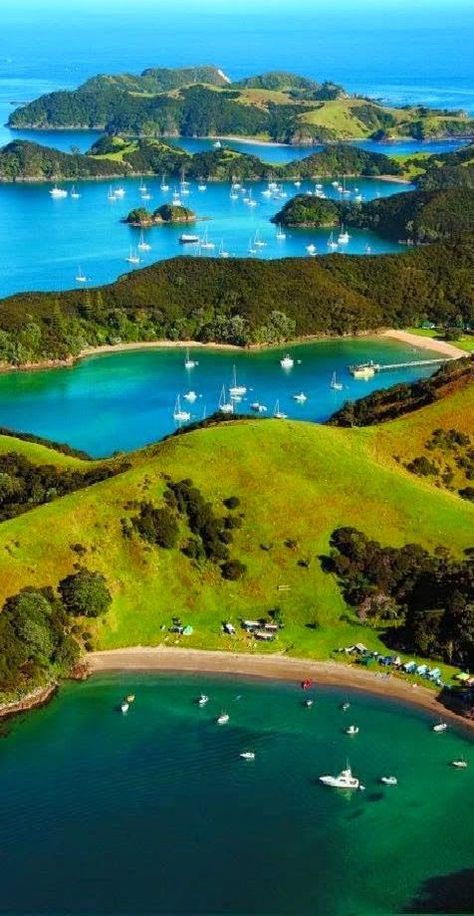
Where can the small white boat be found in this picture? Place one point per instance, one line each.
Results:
(202, 186)
(345, 780)
(57, 193)
(133, 257)
(334, 384)
(332, 245)
(119, 192)
(236, 391)
(297, 183)
(180, 415)
(257, 407)
(203, 700)
(311, 249)
(124, 707)
(233, 195)
(278, 415)
(460, 764)
(217, 144)
(206, 244)
(223, 718)
(280, 235)
(190, 396)
(142, 187)
(389, 780)
(335, 184)
(75, 194)
(301, 397)
(258, 242)
(252, 249)
(225, 406)
(343, 237)
(368, 249)
(143, 245)
(440, 727)
(222, 251)
(187, 239)
(358, 198)
(188, 362)
(111, 194)
(287, 362)
(80, 276)
(352, 730)
(247, 755)
(345, 706)
(308, 703)
(130, 698)
(164, 186)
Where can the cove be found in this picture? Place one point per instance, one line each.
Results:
(155, 812)
(122, 401)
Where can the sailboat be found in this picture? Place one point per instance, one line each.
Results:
(334, 384)
(224, 405)
(111, 194)
(258, 242)
(311, 249)
(56, 193)
(75, 194)
(119, 192)
(249, 200)
(343, 237)
(142, 187)
(252, 249)
(236, 390)
(133, 257)
(164, 186)
(180, 415)
(205, 243)
(278, 415)
(222, 252)
(332, 245)
(297, 183)
(142, 245)
(202, 186)
(281, 236)
(80, 276)
(233, 194)
(188, 362)
(176, 198)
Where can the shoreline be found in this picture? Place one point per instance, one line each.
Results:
(415, 340)
(34, 700)
(273, 667)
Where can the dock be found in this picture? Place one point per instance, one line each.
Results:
(371, 368)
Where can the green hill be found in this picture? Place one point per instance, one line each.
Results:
(203, 102)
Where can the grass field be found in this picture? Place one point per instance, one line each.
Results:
(295, 481)
(465, 341)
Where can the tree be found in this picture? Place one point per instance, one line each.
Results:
(85, 594)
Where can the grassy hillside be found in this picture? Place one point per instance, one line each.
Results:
(203, 102)
(330, 478)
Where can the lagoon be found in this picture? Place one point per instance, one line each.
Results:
(155, 812)
(122, 401)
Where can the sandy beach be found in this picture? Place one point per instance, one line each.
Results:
(274, 667)
(425, 343)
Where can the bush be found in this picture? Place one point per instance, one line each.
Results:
(158, 526)
(233, 569)
(85, 594)
(232, 502)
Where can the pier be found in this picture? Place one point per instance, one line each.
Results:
(366, 370)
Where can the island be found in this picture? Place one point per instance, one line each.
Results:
(167, 214)
(204, 102)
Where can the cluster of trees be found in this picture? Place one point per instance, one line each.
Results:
(417, 216)
(24, 485)
(23, 160)
(390, 403)
(211, 534)
(167, 213)
(40, 636)
(303, 211)
(445, 446)
(429, 597)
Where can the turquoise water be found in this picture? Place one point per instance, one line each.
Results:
(52, 238)
(126, 400)
(155, 812)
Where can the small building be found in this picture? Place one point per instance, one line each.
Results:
(264, 635)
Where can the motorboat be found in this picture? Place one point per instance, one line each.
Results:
(119, 192)
(440, 727)
(247, 755)
(311, 249)
(188, 239)
(130, 698)
(203, 699)
(124, 707)
(190, 396)
(345, 706)
(308, 703)
(57, 193)
(287, 362)
(301, 397)
(352, 730)
(389, 780)
(258, 408)
(345, 780)
(460, 764)
(223, 718)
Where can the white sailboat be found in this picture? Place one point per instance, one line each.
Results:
(143, 245)
(190, 396)
(57, 193)
(188, 362)
(287, 362)
(133, 257)
(236, 390)
(258, 242)
(80, 276)
(252, 249)
(180, 415)
(233, 194)
(222, 251)
(119, 192)
(75, 194)
(224, 405)
(334, 384)
(343, 237)
(202, 186)
(277, 413)
(257, 407)
(280, 235)
(111, 194)
(311, 249)
(164, 186)
(332, 245)
(206, 244)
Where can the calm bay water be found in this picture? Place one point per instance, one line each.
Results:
(154, 811)
(51, 238)
(126, 400)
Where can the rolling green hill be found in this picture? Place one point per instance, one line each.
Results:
(203, 102)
